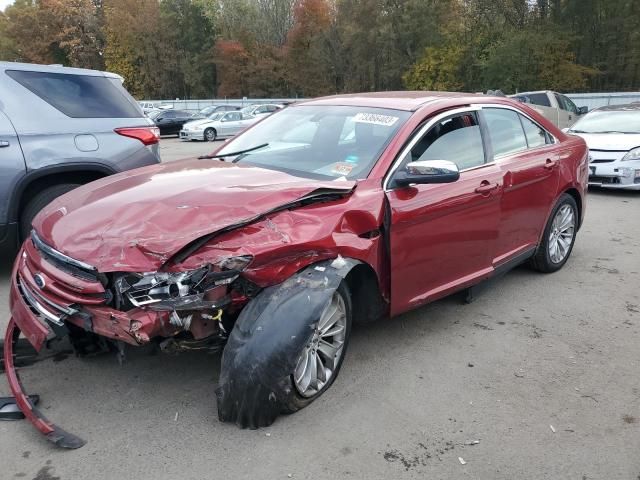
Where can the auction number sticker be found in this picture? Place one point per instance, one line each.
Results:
(375, 119)
(342, 169)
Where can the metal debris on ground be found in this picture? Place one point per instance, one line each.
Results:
(472, 442)
(175, 419)
(552, 429)
(461, 460)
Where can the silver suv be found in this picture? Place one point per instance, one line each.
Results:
(62, 127)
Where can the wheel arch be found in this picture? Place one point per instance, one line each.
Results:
(367, 301)
(578, 198)
(35, 181)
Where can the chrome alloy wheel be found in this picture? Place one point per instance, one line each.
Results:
(321, 356)
(561, 235)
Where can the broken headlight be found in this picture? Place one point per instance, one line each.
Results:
(179, 288)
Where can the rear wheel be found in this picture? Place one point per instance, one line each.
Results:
(559, 236)
(210, 135)
(38, 202)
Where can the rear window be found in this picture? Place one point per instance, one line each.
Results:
(80, 96)
(539, 99)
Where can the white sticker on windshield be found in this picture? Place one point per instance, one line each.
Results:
(375, 119)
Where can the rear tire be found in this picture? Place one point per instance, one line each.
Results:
(38, 202)
(559, 236)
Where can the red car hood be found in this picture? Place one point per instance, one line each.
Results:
(137, 220)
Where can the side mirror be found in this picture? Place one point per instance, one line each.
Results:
(159, 119)
(428, 171)
(583, 110)
(566, 130)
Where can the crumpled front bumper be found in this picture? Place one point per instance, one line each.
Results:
(135, 327)
(53, 433)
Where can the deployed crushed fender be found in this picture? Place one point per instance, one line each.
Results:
(267, 339)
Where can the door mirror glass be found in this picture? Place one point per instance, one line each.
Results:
(428, 171)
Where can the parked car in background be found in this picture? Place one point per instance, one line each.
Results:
(398, 199)
(262, 110)
(62, 127)
(216, 126)
(612, 134)
(148, 107)
(170, 121)
(206, 111)
(558, 108)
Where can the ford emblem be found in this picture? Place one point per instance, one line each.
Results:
(39, 279)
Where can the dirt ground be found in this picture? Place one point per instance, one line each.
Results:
(541, 371)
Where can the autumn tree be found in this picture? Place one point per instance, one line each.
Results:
(309, 63)
(56, 31)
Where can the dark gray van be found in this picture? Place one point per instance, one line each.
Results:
(62, 127)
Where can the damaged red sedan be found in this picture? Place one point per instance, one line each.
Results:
(337, 210)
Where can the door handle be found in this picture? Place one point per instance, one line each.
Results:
(4, 143)
(486, 188)
(550, 164)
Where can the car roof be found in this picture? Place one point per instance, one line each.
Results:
(408, 101)
(629, 107)
(34, 67)
(531, 92)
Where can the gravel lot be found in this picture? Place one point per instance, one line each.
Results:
(533, 351)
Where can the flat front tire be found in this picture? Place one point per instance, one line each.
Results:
(320, 360)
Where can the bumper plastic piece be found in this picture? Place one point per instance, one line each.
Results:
(53, 433)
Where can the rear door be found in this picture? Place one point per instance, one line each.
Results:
(12, 169)
(527, 156)
(442, 236)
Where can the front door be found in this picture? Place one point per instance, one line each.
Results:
(442, 236)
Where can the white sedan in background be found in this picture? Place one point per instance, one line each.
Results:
(262, 110)
(612, 134)
(217, 125)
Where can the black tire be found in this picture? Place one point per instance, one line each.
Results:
(295, 401)
(542, 261)
(38, 202)
(210, 135)
(266, 343)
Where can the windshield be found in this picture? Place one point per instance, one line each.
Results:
(613, 121)
(215, 116)
(153, 114)
(320, 142)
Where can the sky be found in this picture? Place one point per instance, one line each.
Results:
(4, 3)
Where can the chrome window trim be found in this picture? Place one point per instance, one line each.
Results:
(430, 123)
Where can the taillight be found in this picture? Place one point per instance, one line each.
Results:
(147, 135)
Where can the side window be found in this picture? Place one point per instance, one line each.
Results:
(569, 104)
(505, 131)
(456, 139)
(536, 136)
(169, 114)
(539, 99)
